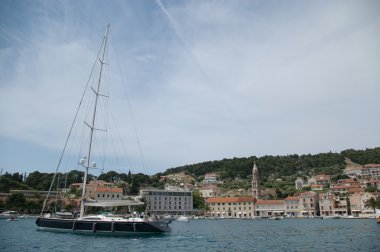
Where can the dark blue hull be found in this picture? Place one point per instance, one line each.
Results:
(103, 226)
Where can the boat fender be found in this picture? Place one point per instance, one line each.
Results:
(134, 227)
(94, 227)
(113, 226)
(74, 225)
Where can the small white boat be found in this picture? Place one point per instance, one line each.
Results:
(328, 217)
(12, 219)
(8, 215)
(183, 218)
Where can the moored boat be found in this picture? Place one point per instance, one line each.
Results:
(8, 215)
(378, 216)
(67, 221)
(183, 218)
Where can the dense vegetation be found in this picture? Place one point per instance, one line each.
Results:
(279, 166)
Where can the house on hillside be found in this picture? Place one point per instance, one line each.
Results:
(368, 171)
(180, 177)
(299, 183)
(212, 178)
(210, 191)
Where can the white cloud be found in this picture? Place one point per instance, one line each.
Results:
(228, 78)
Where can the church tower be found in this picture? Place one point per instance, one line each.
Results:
(255, 182)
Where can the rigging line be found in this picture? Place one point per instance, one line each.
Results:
(115, 151)
(68, 137)
(119, 136)
(129, 106)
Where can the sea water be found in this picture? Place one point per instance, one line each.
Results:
(205, 235)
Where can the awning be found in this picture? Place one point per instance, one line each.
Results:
(281, 211)
(113, 203)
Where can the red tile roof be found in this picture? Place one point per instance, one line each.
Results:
(229, 199)
(292, 198)
(271, 202)
(371, 165)
(109, 189)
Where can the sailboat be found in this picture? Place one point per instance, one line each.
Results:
(100, 223)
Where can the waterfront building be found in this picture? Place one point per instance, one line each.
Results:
(268, 208)
(168, 201)
(308, 203)
(108, 193)
(358, 203)
(91, 187)
(332, 204)
(326, 204)
(230, 207)
(292, 206)
(255, 182)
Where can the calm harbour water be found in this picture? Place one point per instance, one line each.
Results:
(206, 235)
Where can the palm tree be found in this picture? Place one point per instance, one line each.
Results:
(372, 203)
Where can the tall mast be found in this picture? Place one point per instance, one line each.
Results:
(86, 163)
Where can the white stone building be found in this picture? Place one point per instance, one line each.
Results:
(168, 202)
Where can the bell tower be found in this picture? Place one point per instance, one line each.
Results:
(255, 182)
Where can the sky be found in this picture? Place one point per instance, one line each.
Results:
(202, 80)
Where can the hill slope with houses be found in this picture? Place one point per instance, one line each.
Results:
(280, 178)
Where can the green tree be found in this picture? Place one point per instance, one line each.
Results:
(372, 203)
(198, 200)
(16, 201)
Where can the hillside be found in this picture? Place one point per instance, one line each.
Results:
(279, 166)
